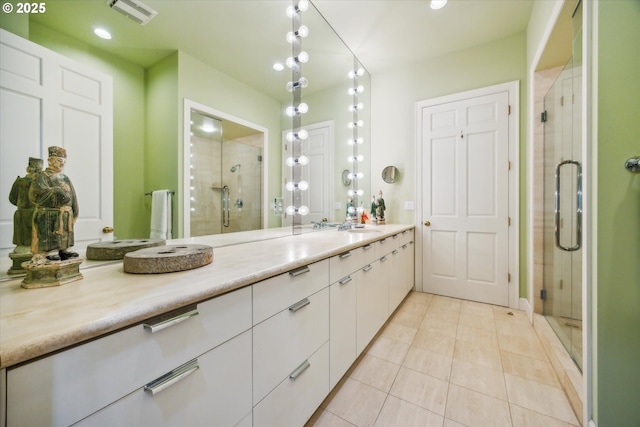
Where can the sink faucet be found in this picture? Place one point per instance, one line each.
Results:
(344, 226)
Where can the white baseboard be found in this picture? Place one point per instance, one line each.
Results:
(526, 307)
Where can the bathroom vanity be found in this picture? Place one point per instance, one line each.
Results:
(258, 337)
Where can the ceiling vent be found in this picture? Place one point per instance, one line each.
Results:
(133, 9)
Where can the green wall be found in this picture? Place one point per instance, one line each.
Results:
(617, 370)
(395, 93)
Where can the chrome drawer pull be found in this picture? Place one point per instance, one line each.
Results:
(300, 369)
(167, 380)
(165, 323)
(395, 252)
(299, 271)
(345, 280)
(383, 259)
(383, 241)
(344, 255)
(367, 247)
(395, 236)
(404, 246)
(297, 306)
(367, 268)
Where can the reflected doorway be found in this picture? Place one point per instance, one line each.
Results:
(225, 174)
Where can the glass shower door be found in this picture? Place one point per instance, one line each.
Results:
(225, 176)
(562, 279)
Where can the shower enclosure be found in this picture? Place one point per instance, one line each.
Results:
(225, 176)
(562, 263)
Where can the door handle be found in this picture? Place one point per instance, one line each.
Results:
(427, 223)
(578, 206)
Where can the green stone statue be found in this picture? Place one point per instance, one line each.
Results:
(19, 197)
(56, 209)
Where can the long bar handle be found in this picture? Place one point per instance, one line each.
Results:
(297, 306)
(578, 206)
(299, 370)
(299, 271)
(170, 322)
(226, 203)
(169, 379)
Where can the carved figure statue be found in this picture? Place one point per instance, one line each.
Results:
(19, 197)
(374, 207)
(380, 206)
(56, 209)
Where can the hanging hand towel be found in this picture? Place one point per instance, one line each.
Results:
(161, 215)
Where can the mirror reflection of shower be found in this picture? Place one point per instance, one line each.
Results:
(222, 199)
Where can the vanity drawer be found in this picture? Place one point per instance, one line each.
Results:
(403, 238)
(307, 390)
(278, 293)
(68, 386)
(384, 246)
(346, 263)
(216, 392)
(285, 340)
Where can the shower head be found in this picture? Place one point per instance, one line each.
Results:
(234, 167)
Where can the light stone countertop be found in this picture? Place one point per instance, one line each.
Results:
(35, 322)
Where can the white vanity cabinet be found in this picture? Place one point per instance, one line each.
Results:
(71, 385)
(291, 345)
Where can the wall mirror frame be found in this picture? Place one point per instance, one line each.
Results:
(139, 56)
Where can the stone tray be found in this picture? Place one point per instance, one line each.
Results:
(116, 249)
(167, 259)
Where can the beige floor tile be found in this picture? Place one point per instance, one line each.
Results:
(446, 303)
(540, 398)
(477, 336)
(475, 409)
(440, 325)
(479, 378)
(419, 297)
(428, 362)
(451, 423)
(477, 321)
(522, 417)
(389, 349)
(476, 308)
(400, 413)
(423, 390)
(434, 341)
(480, 354)
(375, 372)
(415, 307)
(398, 332)
(356, 403)
(324, 418)
(529, 368)
(447, 314)
(524, 345)
(407, 318)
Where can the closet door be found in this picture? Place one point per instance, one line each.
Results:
(47, 99)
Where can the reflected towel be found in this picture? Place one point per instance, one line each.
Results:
(161, 215)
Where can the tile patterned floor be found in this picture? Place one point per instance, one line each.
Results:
(449, 363)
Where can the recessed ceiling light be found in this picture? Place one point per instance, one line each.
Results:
(438, 4)
(102, 33)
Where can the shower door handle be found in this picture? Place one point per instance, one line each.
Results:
(226, 205)
(578, 206)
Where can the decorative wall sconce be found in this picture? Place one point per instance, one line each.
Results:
(297, 108)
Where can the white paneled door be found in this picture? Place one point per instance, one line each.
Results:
(465, 196)
(47, 99)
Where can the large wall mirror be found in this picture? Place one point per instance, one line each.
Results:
(218, 54)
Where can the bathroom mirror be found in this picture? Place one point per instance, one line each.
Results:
(390, 174)
(225, 57)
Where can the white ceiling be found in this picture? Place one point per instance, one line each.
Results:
(242, 38)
